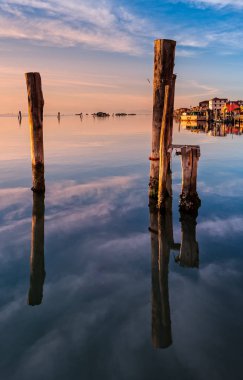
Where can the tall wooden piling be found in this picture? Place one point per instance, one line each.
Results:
(189, 200)
(164, 57)
(35, 106)
(37, 262)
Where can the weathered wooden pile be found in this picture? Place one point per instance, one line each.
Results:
(162, 134)
(160, 194)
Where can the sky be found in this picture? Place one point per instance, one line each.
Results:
(96, 55)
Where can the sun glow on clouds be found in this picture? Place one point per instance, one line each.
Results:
(70, 43)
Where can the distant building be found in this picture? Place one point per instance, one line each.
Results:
(239, 102)
(196, 108)
(216, 104)
(179, 111)
(204, 105)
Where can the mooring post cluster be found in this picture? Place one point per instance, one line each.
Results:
(162, 133)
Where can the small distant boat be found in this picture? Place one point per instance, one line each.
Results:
(79, 114)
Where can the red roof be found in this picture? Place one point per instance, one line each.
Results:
(232, 107)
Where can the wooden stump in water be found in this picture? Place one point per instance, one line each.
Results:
(164, 57)
(189, 200)
(37, 261)
(35, 106)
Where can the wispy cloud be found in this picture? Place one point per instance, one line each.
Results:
(185, 53)
(216, 3)
(102, 25)
(197, 90)
(219, 227)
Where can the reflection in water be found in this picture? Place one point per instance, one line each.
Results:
(162, 243)
(189, 252)
(219, 128)
(37, 261)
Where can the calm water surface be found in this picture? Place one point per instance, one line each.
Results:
(97, 283)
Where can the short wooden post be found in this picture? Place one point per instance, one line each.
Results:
(37, 262)
(164, 57)
(20, 117)
(189, 252)
(189, 200)
(36, 104)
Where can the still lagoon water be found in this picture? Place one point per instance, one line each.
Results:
(95, 286)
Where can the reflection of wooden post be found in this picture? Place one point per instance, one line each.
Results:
(37, 264)
(36, 104)
(164, 235)
(161, 241)
(189, 253)
(189, 200)
(164, 56)
(156, 298)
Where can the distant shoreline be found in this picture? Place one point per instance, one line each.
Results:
(64, 115)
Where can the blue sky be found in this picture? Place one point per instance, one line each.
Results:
(94, 53)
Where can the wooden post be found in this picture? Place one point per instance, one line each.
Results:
(164, 57)
(20, 117)
(170, 140)
(171, 106)
(36, 104)
(161, 229)
(189, 200)
(37, 263)
(189, 252)
(164, 160)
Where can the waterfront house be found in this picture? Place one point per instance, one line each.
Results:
(216, 104)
